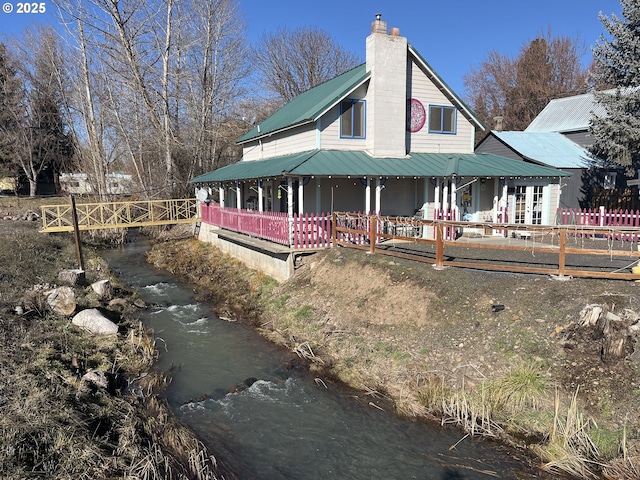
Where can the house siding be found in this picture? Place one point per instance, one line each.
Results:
(422, 89)
(296, 140)
(492, 145)
(582, 138)
(330, 127)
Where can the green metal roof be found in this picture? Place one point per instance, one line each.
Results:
(310, 105)
(340, 163)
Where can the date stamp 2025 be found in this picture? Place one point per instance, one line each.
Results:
(24, 7)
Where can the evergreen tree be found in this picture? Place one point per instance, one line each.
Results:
(617, 133)
(11, 96)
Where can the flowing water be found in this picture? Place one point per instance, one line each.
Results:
(270, 420)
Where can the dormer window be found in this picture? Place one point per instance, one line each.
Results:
(442, 119)
(352, 115)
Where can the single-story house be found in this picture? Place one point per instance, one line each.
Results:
(81, 184)
(388, 137)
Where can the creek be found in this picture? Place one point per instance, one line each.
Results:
(268, 418)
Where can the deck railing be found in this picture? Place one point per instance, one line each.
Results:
(558, 250)
(299, 232)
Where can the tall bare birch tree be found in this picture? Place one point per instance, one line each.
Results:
(167, 72)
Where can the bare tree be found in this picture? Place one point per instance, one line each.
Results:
(291, 62)
(517, 89)
(157, 78)
(40, 136)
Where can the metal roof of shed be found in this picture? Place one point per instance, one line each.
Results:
(568, 114)
(340, 163)
(553, 149)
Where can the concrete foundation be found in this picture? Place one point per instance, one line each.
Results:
(276, 261)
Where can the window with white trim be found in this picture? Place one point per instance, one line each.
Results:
(442, 119)
(352, 116)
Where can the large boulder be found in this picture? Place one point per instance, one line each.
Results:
(62, 300)
(92, 321)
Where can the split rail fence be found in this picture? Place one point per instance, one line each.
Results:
(559, 250)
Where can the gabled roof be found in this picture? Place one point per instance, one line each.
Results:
(340, 163)
(552, 149)
(310, 105)
(567, 114)
(446, 90)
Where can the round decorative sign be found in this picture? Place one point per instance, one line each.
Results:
(416, 115)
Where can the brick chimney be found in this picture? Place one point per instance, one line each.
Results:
(387, 95)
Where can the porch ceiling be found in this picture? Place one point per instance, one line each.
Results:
(341, 163)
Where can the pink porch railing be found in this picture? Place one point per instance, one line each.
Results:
(583, 219)
(302, 231)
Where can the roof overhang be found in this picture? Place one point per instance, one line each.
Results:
(346, 164)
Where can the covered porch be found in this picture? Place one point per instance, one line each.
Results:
(474, 187)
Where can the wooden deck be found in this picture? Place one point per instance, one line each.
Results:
(94, 216)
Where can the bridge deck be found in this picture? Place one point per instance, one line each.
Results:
(144, 213)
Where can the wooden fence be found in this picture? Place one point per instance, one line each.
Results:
(558, 250)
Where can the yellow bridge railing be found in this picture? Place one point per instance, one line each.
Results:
(94, 216)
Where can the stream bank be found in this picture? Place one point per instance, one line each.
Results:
(431, 343)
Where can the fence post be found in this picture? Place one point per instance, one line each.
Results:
(561, 255)
(373, 229)
(439, 247)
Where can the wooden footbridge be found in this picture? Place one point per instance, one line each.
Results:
(100, 215)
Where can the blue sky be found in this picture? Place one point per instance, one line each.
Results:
(452, 36)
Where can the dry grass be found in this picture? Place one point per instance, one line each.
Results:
(55, 426)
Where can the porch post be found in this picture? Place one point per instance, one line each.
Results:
(445, 195)
(367, 197)
(454, 201)
(378, 190)
(221, 193)
(318, 196)
(260, 199)
(496, 200)
(300, 196)
(436, 195)
(290, 197)
(238, 196)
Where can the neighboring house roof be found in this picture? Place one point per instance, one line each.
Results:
(309, 106)
(568, 114)
(552, 149)
(341, 163)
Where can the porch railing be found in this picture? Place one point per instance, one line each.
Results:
(601, 217)
(300, 231)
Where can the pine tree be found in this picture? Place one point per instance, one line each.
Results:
(11, 102)
(617, 133)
